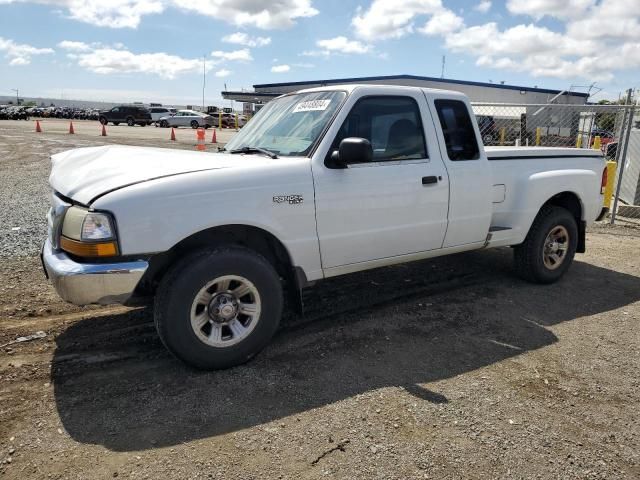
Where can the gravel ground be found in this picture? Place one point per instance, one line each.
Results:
(449, 368)
(24, 192)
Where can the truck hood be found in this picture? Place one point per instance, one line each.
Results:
(84, 174)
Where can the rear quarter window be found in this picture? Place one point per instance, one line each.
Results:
(458, 131)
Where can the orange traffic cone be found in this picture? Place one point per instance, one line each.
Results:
(38, 129)
(213, 137)
(71, 131)
(173, 135)
(104, 131)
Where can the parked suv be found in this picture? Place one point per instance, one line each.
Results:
(131, 114)
(158, 112)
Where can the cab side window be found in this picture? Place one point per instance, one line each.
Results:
(459, 135)
(391, 124)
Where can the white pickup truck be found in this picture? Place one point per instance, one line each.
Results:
(322, 182)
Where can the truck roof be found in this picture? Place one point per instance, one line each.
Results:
(350, 87)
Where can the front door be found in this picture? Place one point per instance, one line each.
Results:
(394, 205)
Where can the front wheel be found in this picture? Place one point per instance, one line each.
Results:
(194, 124)
(548, 250)
(218, 308)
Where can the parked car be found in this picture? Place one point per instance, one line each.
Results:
(605, 136)
(187, 118)
(131, 114)
(158, 112)
(322, 182)
(488, 130)
(229, 120)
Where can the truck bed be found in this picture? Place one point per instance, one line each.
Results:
(520, 187)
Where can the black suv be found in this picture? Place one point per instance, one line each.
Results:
(131, 114)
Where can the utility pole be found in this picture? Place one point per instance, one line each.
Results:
(204, 78)
(17, 96)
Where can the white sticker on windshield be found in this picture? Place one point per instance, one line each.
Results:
(312, 105)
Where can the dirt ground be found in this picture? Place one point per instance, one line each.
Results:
(447, 368)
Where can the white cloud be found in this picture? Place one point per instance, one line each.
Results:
(280, 68)
(257, 13)
(74, 46)
(483, 7)
(343, 45)
(20, 53)
(243, 55)
(111, 13)
(241, 38)
(392, 18)
(552, 8)
(128, 13)
(112, 61)
(442, 23)
(223, 73)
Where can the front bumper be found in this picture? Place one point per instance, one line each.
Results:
(87, 283)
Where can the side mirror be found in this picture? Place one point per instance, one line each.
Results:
(352, 150)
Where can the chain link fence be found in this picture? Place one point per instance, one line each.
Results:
(614, 129)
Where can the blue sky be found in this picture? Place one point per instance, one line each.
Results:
(146, 50)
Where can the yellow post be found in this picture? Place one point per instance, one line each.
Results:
(579, 140)
(608, 189)
(220, 119)
(538, 135)
(596, 143)
(236, 121)
(502, 133)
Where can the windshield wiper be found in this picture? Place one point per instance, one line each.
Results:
(264, 151)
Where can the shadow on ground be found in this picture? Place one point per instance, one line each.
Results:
(398, 326)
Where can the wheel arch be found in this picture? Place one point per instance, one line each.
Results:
(254, 238)
(571, 201)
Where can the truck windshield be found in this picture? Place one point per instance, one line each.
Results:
(289, 125)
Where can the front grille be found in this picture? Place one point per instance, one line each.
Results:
(55, 218)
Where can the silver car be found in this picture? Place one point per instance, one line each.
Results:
(187, 118)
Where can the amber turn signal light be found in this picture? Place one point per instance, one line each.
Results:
(83, 249)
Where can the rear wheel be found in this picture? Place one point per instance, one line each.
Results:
(218, 308)
(548, 250)
(194, 124)
(164, 124)
(103, 120)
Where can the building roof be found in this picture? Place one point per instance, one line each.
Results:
(334, 81)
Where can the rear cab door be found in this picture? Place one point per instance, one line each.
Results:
(370, 213)
(470, 180)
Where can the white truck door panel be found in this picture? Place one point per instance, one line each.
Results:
(470, 179)
(381, 209)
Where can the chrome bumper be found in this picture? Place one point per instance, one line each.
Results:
(86, 283)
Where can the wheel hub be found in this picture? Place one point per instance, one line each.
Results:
(223, 308)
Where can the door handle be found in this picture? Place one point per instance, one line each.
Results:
(430, 180)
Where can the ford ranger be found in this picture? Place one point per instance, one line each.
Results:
(322, 182)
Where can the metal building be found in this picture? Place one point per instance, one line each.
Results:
(476, 91)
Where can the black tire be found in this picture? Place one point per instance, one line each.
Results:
(182, 283)
(528, 257)
(164, 124)
(116, 123)
(103, 120)
(131, 122)
(194, 124)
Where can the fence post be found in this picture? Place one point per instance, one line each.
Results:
(623, 154)
(538, 134)
(502, 133)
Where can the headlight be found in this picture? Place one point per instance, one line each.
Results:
(88, 234)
